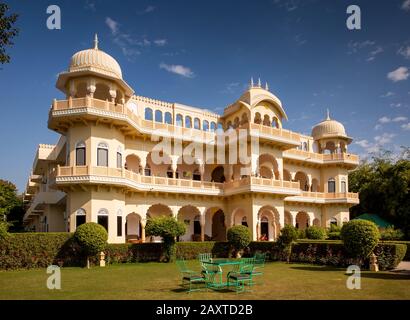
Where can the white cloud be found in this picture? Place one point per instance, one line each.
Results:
(90, 5)
(384, 120)
(378, 127)
(113, 25)
(405, 52)
(395, 105)
(149, 9)
(406, 126)
(399, 119)
(363, 143)
(406, 5)
(374, 53)
(177, 69)
(231, 87)
(385, 138)
(401, 73)
(161, 42)
(387, 94)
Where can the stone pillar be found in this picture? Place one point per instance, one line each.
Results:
(143, 223)
(91, 87)
(113, 94)
(202, 222)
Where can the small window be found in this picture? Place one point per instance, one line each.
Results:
(119, 159)
(179, 120)
(213, 126)
(148, 114)
(80, 217)
(80, 154)
(102, 155)
(158, 116)
(197, 225)
(168, 118)
(331, 186)
(119, 223)
(197, 124)
(343, 186)
(188, 122)
(103, 218)
(205, 125)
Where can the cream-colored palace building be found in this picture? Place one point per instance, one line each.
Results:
(102, 170)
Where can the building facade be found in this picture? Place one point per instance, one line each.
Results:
(123, 158)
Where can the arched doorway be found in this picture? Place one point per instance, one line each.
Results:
(218, 226)
(218, 174)
(264, 229)
(268, 167)
(157, 210)
(302, 220)
(190, 215)
(316, 222)
(303, 180)
(133, 163)
(133, 227)
(269, 223)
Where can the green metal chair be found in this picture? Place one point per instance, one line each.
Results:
(190, 277)
(260, 259)
(205, 257)
(212, 275)
(240, 276)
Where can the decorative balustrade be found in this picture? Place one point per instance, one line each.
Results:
(331, 195)
(321, 157)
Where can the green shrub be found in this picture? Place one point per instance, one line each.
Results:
(301, 234)
(389, 255)
(360, 238)
(406, 243)
(335, 228)
(334, 235)
(316, 233)
(288, 234)
(3, 229)
(391, 234)
(239, 237)
(92, 237)
(167, 228)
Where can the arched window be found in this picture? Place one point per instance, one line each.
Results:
(197, 225)
(213, 126)
(197, 124)
(244, 118)
(102, 218)
(205, 125)
(148, 114)
(188, 122)
(196, 175)
(119, 157)
(80, 154)
(343, 188)
(102, 154)
(168, 118)
(147, 170)
(275, 122)
(331, 185)
(179, 121)
(266, 120)
(257, 118)
(244, 222)
(80, 217)
(119, 223)
(158, 116)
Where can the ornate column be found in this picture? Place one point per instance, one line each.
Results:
(91, 87)
(143, 223)
(113, 94)
(202, 223)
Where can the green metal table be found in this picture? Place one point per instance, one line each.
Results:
(219, 263)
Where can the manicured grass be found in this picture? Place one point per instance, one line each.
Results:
(161, 281)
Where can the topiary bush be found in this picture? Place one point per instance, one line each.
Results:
(239, 237)
(288, 235)
(360, 237)
(334, 235)
(316, 233)
(92, 237)
(390, 233)
(168, 228)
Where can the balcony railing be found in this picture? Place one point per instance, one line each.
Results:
(278, 132)
(322, 157)
(330, 195)
(171, 182)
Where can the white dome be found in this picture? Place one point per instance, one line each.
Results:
(95, 60)
(328, 128)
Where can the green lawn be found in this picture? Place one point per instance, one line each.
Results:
(161, 281)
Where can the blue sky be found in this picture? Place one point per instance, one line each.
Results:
(203, 53)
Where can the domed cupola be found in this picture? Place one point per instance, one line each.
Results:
(95, 60)
(94, 73)
(331, 135)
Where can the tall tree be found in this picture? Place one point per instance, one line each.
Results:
(7, 31)
(384, 188)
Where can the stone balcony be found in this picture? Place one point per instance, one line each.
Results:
(136, 181)
(294, 155)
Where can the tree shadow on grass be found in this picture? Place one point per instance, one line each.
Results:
(386, 275)
(316, 268)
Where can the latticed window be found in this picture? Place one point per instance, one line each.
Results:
(102, 154)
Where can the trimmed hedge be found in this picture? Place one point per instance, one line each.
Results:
(34, 250)
(334, 253)
(406, 243)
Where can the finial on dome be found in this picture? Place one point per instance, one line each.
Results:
(96, 42)
(266, 86)
(327, 114)
(259, 82)
(251, 82)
